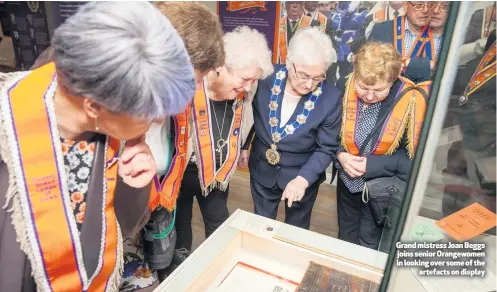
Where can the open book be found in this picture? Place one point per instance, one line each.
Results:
(319, 278)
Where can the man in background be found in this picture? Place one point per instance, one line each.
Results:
(473, 158)
(386, 12)
(438, 21)
(310, 9)
(410, 31)
(294, 20)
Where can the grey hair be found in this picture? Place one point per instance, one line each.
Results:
(311, 46)
(127, 57)
(245, 46)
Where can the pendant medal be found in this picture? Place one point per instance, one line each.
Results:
(272, 155)
(279, 133)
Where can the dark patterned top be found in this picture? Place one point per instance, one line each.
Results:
(78, 159)
(367, 120)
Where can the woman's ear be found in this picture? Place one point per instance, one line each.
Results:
(91, 108)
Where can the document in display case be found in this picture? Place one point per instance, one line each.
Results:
(252, 253)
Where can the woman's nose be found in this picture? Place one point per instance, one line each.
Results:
(309, 83)
(248, 85)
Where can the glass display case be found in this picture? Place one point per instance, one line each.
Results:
(252, 253)
(452, 193)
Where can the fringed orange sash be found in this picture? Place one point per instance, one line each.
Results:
(42, 213)
(406, 117)
(483, 73)
(166, 192)
(305, 21)
(205, 146)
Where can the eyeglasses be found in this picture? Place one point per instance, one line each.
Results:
(419, 6)
(376, 93)
(304, 77)
(444, 7)
(430, 5)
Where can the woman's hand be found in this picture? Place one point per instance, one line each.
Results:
(295, 190)
(136, 165)
(354, 166)
(244, 158)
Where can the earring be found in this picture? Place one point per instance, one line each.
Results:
(217, 73)
(96, 126)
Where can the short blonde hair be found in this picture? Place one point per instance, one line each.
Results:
(377, 61)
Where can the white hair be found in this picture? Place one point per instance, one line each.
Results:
(126, 56)
(245, 46)
(311, 46)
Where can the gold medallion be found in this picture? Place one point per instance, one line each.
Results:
(272, 155)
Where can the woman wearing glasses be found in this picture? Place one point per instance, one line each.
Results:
(296, 121)
(381, 122)
(221, 110)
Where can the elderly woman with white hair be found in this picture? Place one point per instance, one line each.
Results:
(70, 190)
(297, 115)
(220, 112)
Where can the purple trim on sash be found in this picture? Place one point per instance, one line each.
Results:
(50, 122)
(198, 141)
(25, 183)
(26, 186)
(112, 160)
(238, 144)
(156, 182)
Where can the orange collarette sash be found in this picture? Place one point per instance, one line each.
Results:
(42, 213)
(205, 147)
(423, 45)
(406, 117)
(380, 15)
(305, 21)
(483, 73)
(383, 14)
(323, 20)
(165, 192)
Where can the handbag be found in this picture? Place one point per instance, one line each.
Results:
(379, 194)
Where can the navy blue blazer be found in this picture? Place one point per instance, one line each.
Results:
(309, 151)
(383, 32)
